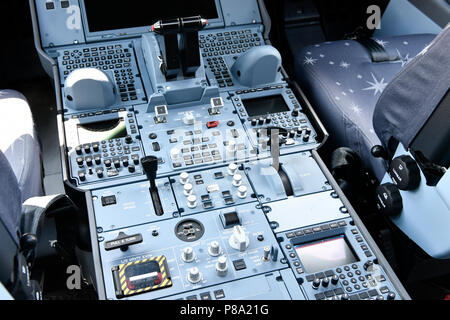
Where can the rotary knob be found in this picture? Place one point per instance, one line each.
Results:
(345, 297)
(192, 202)
(194, 275)
(391, 296)
(335, 280)
(237, 180)
(222, 267)
(389, 200)
(184, 178)
(239, 240)
(188, 255)
(232, 168)
(214, 249)
(325, 282)
(242, 192)
(188, 189)
(99, 172)
(368, 266)
(405, 173)
(316, 284)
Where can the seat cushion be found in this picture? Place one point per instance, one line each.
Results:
(344, 86)
(19, 143)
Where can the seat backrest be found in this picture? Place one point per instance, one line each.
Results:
(10, 212)
(413, 96)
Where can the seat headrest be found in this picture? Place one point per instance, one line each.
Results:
(411, 98)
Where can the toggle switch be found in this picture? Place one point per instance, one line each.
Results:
(266, 257)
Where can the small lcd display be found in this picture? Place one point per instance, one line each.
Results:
(265, 105)
(325, 254)
(103, 130)
(105, 15)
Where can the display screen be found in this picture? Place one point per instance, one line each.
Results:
(103, 15)
(265, 105)
(325, 254)
(103, 130)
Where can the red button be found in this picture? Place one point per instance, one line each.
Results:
(212, 124)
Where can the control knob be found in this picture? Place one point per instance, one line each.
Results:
(389, 200)
(368, 266)
(214, 249)
(129, 140)
(334, 280)
(242, 192)
(405, 173)
(237, 180)
(194, 275)
(184, 178)
(325, 282)
(232, 168)
(239, 240)
(188, 255)
(222, 267)
(79, 150)
(188, 189)
(316, 284)
(192, 202)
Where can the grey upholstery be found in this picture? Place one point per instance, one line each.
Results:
(412, 97)
(10, 199)
(19, 143)
(344, 86)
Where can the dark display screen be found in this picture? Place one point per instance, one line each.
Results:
(103, 130)
(325, 254)
(103, 15)
(265, 105)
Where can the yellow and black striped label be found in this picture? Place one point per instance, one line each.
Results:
(141, 276)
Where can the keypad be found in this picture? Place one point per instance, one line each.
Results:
(214, 46)
(115, 58)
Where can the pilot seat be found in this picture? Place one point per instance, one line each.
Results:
(346, 79)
